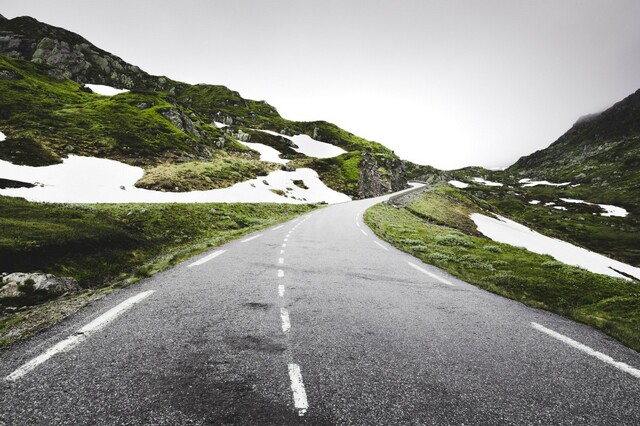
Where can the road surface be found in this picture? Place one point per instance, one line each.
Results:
(316, 321)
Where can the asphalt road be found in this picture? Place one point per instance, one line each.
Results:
(316, 322)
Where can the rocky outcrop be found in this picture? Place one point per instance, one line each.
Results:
(20, 283)
(182, 122)
(71, 56)
(380, 175)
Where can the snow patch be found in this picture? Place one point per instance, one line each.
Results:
(309, 146)
(486, 182)
(608, 208)
(458, 184)
(509, 232)
(220, 125)
(267, 153)
(98, 180)
(560, 208)
(529, 183)
(2, 137)
(101, 89)
(534, 202)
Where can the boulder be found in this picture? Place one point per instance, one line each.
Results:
(19, 283)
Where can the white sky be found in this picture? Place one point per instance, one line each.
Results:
(448, 83)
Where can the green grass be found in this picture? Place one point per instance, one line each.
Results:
(221, 171)
(609, 304)
(339, 173)
(117, 244)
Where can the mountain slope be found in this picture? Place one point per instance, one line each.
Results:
(600, 151)
(47, 113)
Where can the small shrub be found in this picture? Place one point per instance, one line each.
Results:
(453, 240)
(493, 249)
(552, 264)
(439, 257)
(507, 280)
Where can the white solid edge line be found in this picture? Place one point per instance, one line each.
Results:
(207, 258)
(77, 338)
(284, 316)
(297, 387)
(589, 351)
(251, 238)
(381, 245)
(280, 273)
(281, 290)
(277, 227)
(424, 271)
(365, 234)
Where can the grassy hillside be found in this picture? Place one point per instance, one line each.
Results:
(47, 114)
(436, 228)
(106, 244)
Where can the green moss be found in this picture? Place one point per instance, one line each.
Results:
(221, 171)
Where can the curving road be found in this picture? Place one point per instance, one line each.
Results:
(316, 321)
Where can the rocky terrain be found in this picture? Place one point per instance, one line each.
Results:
(47, 112)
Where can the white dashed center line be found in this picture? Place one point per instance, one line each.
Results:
(280, 273)
(297, 387)
(281, 261)
(383, 247)
(586, 349)
(80, 335)
(207, 258)
(284, 316)
(424, 271)
(251, 238)
(281, 290)
(284, 245)
(281, 251)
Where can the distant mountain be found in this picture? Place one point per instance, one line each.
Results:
(46, 113)
(601, 151)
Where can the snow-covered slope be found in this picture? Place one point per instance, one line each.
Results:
(510, 232)
(105, 90)
(98, 180)
(311, 147)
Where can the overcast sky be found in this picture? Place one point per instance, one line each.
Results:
(449, 83)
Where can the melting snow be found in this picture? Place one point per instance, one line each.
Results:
(609, 209)
(486, 182)
(98, 180)
(528, 183)
(458, 184)
(101, 89)
(510, 232)
(267, 153)
(309, 146)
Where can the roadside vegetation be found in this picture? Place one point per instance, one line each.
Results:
(104, 246)
(435, 227)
